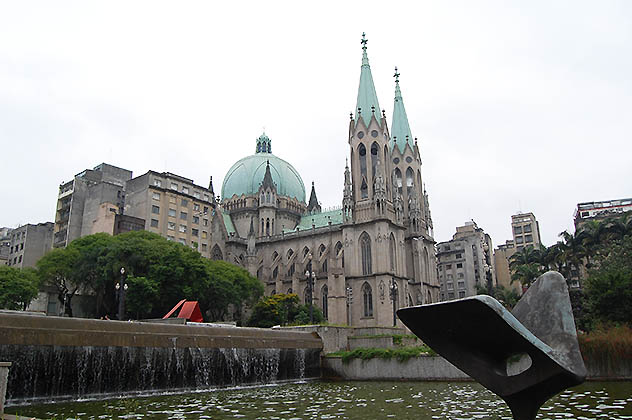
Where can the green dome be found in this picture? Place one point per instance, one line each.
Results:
(245, 176)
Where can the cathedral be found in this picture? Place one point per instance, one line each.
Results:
(358, 263)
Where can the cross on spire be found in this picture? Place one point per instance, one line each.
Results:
(364, 41)
(396, 75)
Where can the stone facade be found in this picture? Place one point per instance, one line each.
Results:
(368, 258)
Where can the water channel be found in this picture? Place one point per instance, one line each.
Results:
(345, 400)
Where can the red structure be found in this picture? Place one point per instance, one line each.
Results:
(190, 310)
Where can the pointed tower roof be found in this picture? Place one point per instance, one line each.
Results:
(210, 188)
(313, 206)
(267, 178)
(400, 130)
(367, 97)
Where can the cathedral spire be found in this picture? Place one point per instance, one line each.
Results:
(313, 206)
(267, 178)
(367, 103)
(400, 130)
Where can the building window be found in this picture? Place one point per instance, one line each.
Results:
(448, 266)
(155, 196)
(154, 223)
(206, 197)
(461, 294)
(171, 238)
(195, 232)
(459, 275)
(367, 300)
(171, 225)
(172, 212)
(461, 285)
(157, 183)
(183, 228)
(184, 215)
(205, 222)
(324, 293)
(196, 206)
(216, 254)
(196, 195)
(391, 250)
(184, 202)
(450, 285)
(457, 256)
(519, 239)
(196, 220)
(205, 209)
(365, 247)
(459, 265)
(204, 247)
(449, 277)
(174, 186)
(450, 295)
(185, 190)
(204, 234)
(20, 259)
(155, 209)
(517, 229)
(182, 241)
(172, 199)
(527, 228)
(528, 238)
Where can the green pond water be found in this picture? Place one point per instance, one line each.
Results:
(345, 400)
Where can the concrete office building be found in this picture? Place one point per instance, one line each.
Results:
(501, 266)
(28, 243)
(173, 207)
(83, 203)
(465, 262)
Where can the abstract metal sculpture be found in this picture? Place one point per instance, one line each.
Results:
(525, 356)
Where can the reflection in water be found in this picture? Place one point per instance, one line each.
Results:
(348, 400)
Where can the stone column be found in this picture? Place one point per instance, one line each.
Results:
(4, 376)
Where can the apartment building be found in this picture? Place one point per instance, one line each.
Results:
(526, 231)
(83, 203)
(599, 210)
(5, 245)
(465, 262)
(173, 207)
(28, 243)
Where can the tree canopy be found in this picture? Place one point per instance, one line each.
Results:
(18, 287)
(158, 273)
(282, 309)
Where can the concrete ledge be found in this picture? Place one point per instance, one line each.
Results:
(428, 368)
(20, 329)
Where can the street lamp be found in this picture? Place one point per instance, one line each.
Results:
(393, 296)
(120, 290)
(310, 276)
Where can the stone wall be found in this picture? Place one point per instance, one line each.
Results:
(415, 369)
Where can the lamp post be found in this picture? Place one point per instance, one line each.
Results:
(310, 276)
(121, 287)
(393, 296)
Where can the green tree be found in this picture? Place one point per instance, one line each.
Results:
(57, 269)
(18, 287)
(608, 289)
(282, 309)
(140, 296)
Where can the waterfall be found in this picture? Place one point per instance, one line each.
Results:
(71, 372)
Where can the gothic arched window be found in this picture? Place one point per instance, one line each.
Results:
(216, 253)
(275, 273)
(363, 175)
(367, 300)
(398, 181)
(321, 249)
(409, 182)
(426, 266)
(365, 248)
(374, 149)
(391, 251)
(324, 293)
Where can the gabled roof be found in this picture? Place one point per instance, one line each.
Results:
(319, 220)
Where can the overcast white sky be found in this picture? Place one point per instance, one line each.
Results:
(518, 105)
